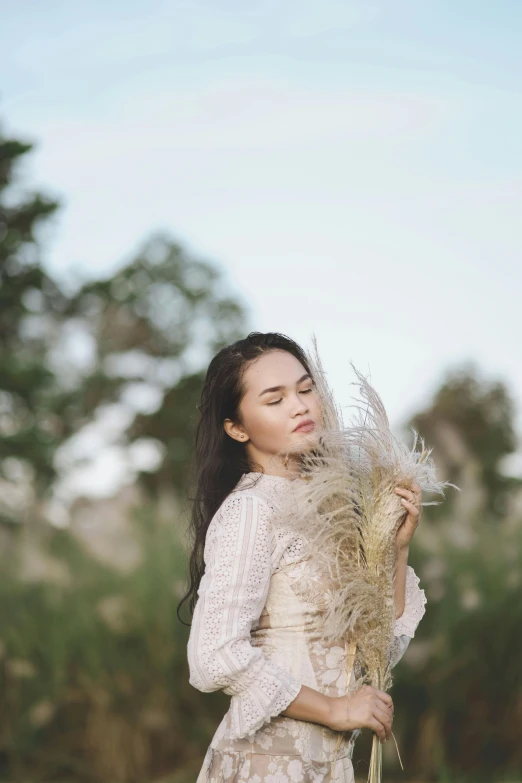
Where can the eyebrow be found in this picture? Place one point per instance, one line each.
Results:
(278, 388)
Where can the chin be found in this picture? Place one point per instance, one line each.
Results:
(304, 441)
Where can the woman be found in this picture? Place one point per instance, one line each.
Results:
(257, 598)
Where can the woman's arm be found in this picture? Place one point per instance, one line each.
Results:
(310, 705)
(367, 707)
(400, 580)
(414, 608)
(231, 597)
(313, 706)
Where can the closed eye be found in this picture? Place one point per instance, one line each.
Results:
(305, 391)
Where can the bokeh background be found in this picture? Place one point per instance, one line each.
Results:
(172, 176)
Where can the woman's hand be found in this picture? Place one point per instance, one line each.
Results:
(367, 707)
(411, 500)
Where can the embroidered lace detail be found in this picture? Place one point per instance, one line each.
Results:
(268, 694)
(406, 624)
(287, 545)
(232, 593)
(265, 486)
(414, 606)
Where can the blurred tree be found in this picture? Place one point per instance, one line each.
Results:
(93, 672)
(153, 326)
(460, 682)
(138, 338)
(31, 309)
(472, 420)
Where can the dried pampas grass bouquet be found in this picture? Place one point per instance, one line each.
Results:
(348, 515)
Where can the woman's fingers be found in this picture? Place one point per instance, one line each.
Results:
(380, 711)
(384, 717)
(385, 705)
(385, 697)
(377, 692)
(378, 728)
(410, 495)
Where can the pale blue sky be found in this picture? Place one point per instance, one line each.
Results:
(355, 167)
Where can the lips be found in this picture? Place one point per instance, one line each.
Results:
(305, 426)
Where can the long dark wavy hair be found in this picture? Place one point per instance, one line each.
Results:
(220, 461)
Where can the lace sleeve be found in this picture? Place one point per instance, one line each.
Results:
(231, 597)
(406, 624)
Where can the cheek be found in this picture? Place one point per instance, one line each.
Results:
(315, 408)
(266, 425)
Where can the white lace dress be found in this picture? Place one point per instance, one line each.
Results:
(256, 635)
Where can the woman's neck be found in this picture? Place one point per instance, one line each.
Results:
(272, 467)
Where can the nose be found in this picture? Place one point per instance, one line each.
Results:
(301, 404)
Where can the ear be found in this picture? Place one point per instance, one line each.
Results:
(234, 431)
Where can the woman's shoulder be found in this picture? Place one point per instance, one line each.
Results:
(257, 498)
(268, 489)
(254, 498)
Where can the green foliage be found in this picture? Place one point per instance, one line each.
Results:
(95, 679)
(460, 686)
(151, 327)
(482, 413)
(155, 324)
(93, 671)
(31, 308)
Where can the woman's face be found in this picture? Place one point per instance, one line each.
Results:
(279, 396)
